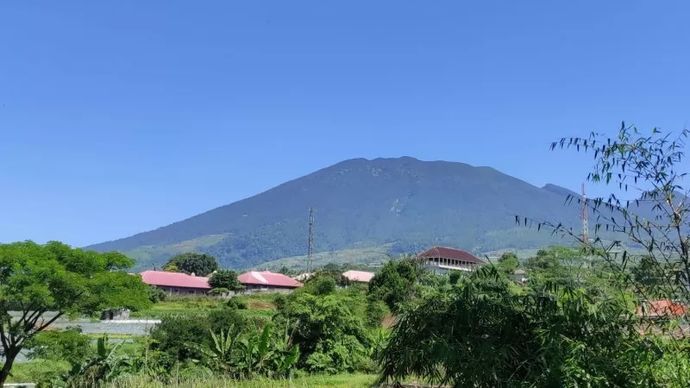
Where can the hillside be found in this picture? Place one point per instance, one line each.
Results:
(402, 204)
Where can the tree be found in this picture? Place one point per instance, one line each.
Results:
(199, 264)
(508, 263)
(482, 333)
(225, 278)
(41, 283)
(650, 165)
(331, 337)
(394, 284)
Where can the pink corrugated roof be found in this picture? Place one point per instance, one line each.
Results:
(359, 276)
(265, 278)
(174, 279)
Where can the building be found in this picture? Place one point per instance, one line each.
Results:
(662, 308)
(443, 259)
(176, 283)
(358, 276)
(267, 281)
(519, 276)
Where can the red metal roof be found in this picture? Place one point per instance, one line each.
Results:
(663, 307)
(359, 276)
(174, 279)
(266, 278)
(449, 253)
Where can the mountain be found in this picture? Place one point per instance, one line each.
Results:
(402, 203)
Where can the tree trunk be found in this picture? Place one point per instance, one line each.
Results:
(10, 355)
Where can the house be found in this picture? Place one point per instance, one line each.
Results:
(175, 282)
(519, 276)
(267, 281)
(443, 259)
(358, 276)
(663, 308)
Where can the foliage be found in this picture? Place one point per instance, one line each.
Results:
(483, 334)
(306, 381)
(394, 283)
(224, 317)
(105, 365)
(173, 335)
(242, 355)
(67, 345)
(651, 165)
(236, 303)
(320, 284)
(36, 279)
(156, 294)
(508, 263)
(331, 336)
(199, 264)
(225, 278)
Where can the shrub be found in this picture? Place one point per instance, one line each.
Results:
(394, 284)
(320, 285)
(330, 336)
(174, 334)
(481, 333)
(226, 279)
(237, 304)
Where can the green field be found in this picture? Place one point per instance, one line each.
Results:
(258, 305)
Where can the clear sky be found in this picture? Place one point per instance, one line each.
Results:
(122, 116)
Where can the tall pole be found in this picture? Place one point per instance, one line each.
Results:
(585, 218)
(310, 241)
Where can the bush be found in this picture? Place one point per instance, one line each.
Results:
(156, 294)
(226, 279)
(225, 317)
(482, 333)
(174, 335)
(330, 336)
(395, 283)
(237, 304)
(320, 284)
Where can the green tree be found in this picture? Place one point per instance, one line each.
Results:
(66, 345)
(199, 264)
(225, 278)
(482, 333)
(331, 337)
(41, 283)
(508, 263)
(394, 284)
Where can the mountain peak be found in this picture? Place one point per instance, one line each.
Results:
(402, 202)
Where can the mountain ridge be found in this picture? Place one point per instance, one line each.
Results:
(404, 202)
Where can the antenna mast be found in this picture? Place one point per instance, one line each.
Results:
(585, 217)
(310, 240)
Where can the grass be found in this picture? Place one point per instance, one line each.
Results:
(258, 305)
(341, 380)
(179, 305)
(37, 370)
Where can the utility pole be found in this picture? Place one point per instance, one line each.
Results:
(310, 240)
(585, 217)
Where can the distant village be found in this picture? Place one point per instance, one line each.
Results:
(436, 259)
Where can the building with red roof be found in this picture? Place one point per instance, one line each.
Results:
(449, 259)
(358, 276)
(175, 282)
(267, 281)
(663, 308)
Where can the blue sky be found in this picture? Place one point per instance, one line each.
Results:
(119, 117)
